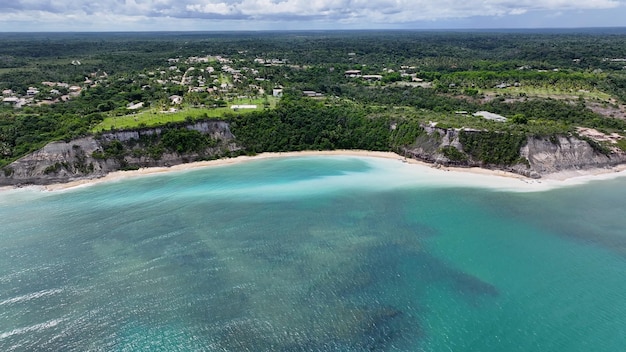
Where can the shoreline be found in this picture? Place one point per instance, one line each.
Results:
(550, 181)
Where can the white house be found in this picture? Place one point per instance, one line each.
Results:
(32, 91)
(11, 100)
(490, 116)
(353, 73)
(176, 99)
(372, 77)
(132, 106)
(237, 107)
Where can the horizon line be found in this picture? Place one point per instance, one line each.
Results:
(329, 30)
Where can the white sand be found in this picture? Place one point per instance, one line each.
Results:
(478, 177)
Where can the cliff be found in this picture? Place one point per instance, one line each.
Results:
(536, 156)
(563, 153)
(96, 156)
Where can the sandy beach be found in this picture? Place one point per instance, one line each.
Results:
(473, 176)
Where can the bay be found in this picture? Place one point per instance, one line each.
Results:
(313, 254)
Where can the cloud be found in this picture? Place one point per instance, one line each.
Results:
(332, 11)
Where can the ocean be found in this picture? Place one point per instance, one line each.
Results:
(332, 253)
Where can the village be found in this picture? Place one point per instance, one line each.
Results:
(200, 81)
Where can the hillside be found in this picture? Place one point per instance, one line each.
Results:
(533, 103)
(95, 156)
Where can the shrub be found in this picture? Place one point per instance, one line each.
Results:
(492, 147)
(453, 154)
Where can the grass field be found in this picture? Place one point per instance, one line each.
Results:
(154, 117)
(550, 92)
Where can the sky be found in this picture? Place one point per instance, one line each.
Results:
(217, 15)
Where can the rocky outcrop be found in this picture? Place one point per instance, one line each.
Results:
(430, 146)
(86, 157)
(538, 155)
(58, 162)
(94, 156)
(215, 129)
(563, 153)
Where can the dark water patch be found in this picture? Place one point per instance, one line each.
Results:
(471, 287)
(591, 214)
(429, 270)
(339, 283)
(170, 268)
(343, 329)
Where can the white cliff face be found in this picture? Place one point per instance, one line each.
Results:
(547, 155)
(66, 158)
(66, 161)
(59, 162)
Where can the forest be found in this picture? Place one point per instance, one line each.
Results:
(284, 91)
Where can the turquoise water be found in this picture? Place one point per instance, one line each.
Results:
(312, 254)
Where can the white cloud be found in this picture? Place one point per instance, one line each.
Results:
(331, 11)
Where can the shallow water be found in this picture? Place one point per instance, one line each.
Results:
(312, 254)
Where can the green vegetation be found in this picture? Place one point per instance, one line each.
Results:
(453, 154)
(174, 138)
(300, 124)
(366, 90)
(186, 141)
(154, 117)
(491, 147)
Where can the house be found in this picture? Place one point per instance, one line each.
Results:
(372, 77)
(490, 116)
(353, 73)
(196, 59)
(74, 91)
(132, 106)
(32, 91)
(11, 100)
(277, 92)
(176, 99)
(312, 94)
(7, 92)
(237, 107)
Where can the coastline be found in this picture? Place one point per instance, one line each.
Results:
(497, 178)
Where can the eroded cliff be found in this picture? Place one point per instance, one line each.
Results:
(96, 156)
(536, 156)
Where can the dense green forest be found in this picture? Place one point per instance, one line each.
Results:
(312, 90)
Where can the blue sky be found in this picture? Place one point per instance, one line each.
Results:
(209, 15)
